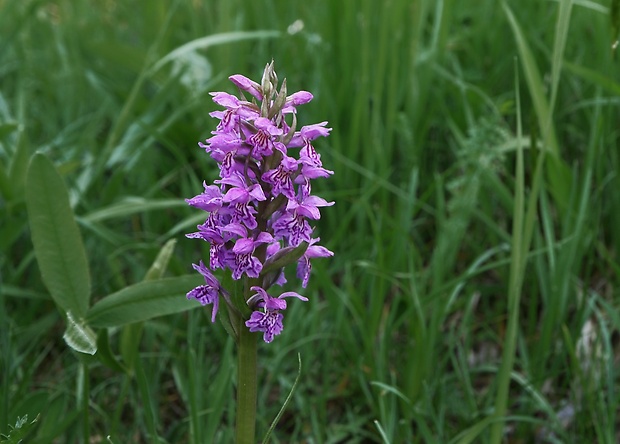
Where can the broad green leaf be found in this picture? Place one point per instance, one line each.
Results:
(79, 336)
(57, 242)
(143, 301)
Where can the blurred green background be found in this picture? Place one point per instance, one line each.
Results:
(403, 337)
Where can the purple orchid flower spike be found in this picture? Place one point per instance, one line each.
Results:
(261, 208)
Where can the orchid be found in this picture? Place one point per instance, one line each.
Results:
(260, 209)
(259, 219)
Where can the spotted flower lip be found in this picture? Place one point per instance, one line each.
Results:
(261, 208)
(280, 178)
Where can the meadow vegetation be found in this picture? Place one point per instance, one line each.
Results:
(474, 291)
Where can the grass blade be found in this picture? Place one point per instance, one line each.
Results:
(286, 402)
(520, 246)
(558, 172)
(211, 40)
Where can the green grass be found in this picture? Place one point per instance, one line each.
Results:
(469, 300)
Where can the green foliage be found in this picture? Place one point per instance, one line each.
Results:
(56, 238)
(19, 431)
(453, 253)
(143, 301)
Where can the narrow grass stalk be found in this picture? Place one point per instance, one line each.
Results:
(84, 388)
(286, 402)
(150, 415)
(246, 385)
(517, 265)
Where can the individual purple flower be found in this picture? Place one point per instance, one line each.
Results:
(280, 177)
(208, 293)
(309, 206)
(292, 225)
(241, 196)
(211, 231)
(244, 260)
(268, 318)
(264, 141)
(309, 171)
(309, 156)
(210, 200)
(309, 132)
(225, 148)
(243, 109)
(222, 143)
(303, 265)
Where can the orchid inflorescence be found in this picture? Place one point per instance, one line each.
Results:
(260, 207)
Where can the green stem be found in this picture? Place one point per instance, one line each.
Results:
(246, 386)
(85, 389)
